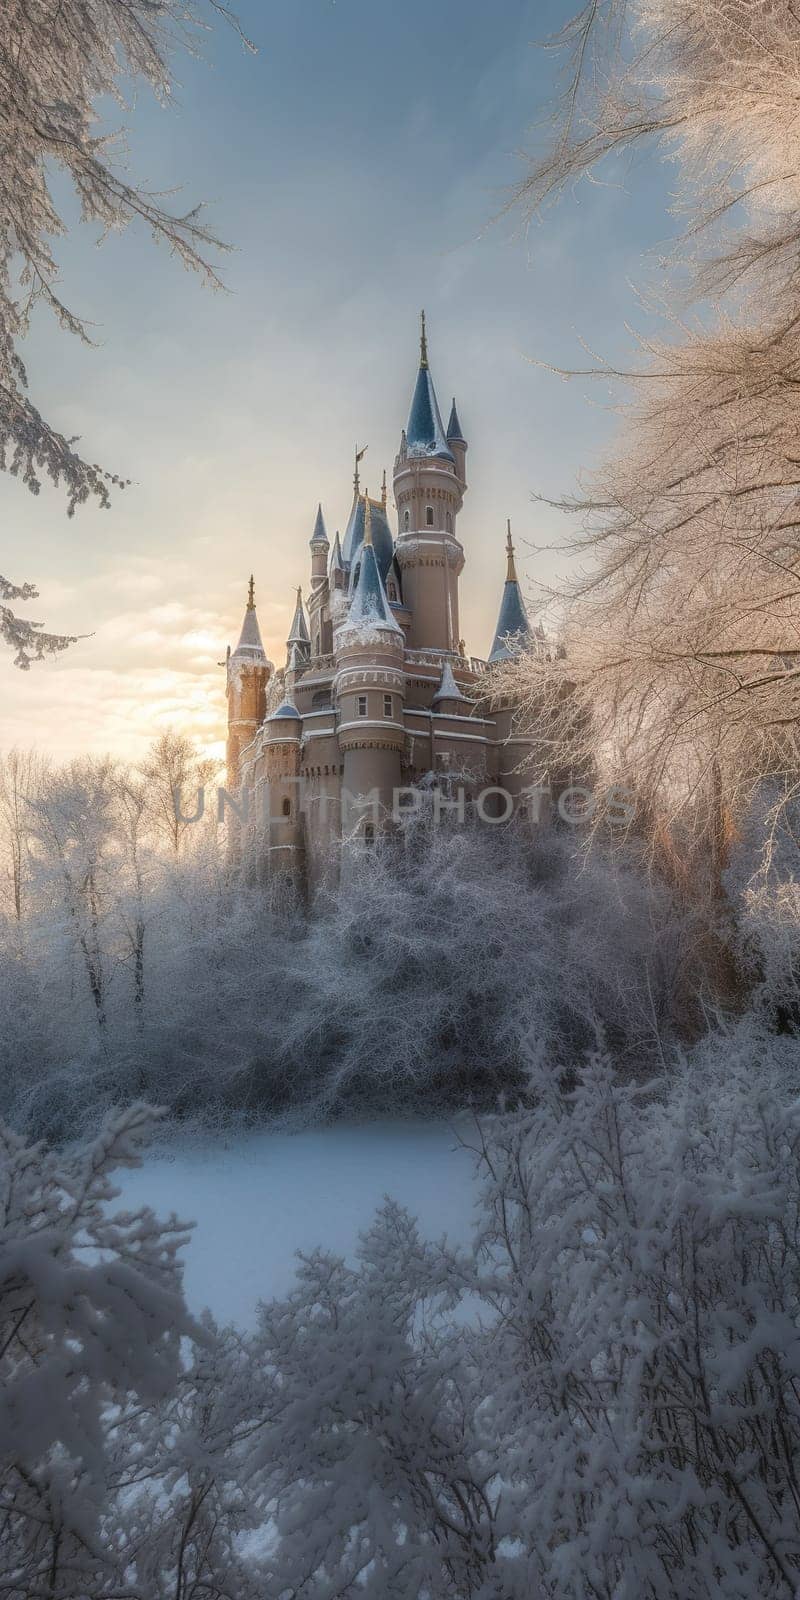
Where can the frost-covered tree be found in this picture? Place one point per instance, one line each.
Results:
(22, 773)
(58, 60)
(175, 777)
(682, 627)
(91, 1317)
(123, 1421)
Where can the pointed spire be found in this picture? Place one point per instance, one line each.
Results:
(369, 607)
(384, 490)
(448, 688)
(359, 456)
(425, 435)
(298, 633)
(423, 341)
(250, 645)
(454, 429)
(513, 632)
(511, 571)
(319, 536)
(336, 563)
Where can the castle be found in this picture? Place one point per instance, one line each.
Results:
(378, 694)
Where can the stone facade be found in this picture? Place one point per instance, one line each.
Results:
(378, 694)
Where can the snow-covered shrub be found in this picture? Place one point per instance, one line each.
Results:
(375, 1450)
(118, 1465)
(640, 1256)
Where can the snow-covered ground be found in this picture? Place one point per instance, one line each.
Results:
(260, 1197)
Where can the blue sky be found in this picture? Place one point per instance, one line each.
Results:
(357, 164)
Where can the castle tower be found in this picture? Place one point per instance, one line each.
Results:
(285, 821)
(319, 546)
(248, 673)
(369, 688)
(429, 486)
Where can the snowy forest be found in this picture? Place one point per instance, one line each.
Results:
(599, 1394)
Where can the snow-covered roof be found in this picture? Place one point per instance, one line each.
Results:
(381, 534)
(284, 712)
(250, 646)
(448, 688)
(369, 607)
(425, 435)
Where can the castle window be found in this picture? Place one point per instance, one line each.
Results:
(387, 705)
(429, 516)
(286, 808)
(449, 523)
(406, 518)
(362, 705)
(369, 833)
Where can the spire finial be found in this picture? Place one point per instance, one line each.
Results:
(299, 595)
(356, 480)
(423, 341)
(383, 490)
(251, 595)
(367, 520)
(511, 571)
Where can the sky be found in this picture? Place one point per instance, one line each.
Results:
(359, 165)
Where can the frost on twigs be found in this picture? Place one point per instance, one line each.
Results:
(27, 639)
(56, 64)
(683, 617)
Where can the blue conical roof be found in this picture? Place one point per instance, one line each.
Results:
(319, 536)
(381, 534)
(369, 605)
(513, 631)
(425, 435)
(454, 430)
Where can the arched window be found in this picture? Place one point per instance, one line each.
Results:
(449, 523)
(286, 808)
(429, 516)
(369, 833)
(406, 518)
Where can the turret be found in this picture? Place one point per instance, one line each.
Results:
(248, 673)
(429, 490)
(319, 546)
(448, 696)
(285, 822)
(369, 688)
